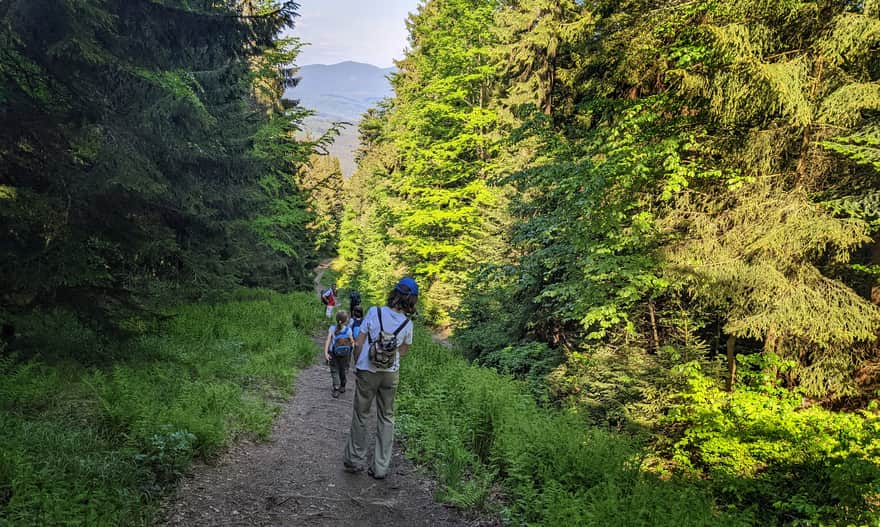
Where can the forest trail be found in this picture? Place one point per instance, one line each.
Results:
(319, 274)
(296, 478)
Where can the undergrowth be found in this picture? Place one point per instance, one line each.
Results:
(745, 458)
(484, 433)
(96, 445)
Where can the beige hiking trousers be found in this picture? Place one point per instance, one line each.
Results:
(380, 386)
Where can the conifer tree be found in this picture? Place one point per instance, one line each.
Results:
(129, 160)
(323, 184)
(440, 132)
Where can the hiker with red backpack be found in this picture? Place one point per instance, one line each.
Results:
(328, 297)
(388, 333)
(337, 351)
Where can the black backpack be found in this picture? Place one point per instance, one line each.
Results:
(383, 351)
(354, 298)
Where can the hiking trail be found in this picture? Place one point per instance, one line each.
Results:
(296, 479)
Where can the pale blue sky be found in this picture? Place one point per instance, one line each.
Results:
(371, 31)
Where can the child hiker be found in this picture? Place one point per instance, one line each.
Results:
(337, 351)
(357, 317)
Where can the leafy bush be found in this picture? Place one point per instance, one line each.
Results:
(59, 333)
(167, 454)
(619, 387)
(531, 362)
(765, 449)
(84, 445)
(494, 314)
(758, 456)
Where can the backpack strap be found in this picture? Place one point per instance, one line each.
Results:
(369, 333)
(381, 329)
(402, 325)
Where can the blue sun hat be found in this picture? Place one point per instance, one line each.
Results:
(407, 286)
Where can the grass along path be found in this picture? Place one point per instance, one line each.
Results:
(94, 431)
(486, 438)
(296, 477)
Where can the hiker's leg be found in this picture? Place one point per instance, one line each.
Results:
(356, 448)
(334, 371)
(329, 311)
(342, 364)
(386, 390)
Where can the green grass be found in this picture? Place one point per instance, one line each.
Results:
(482, 432)
(86, 445)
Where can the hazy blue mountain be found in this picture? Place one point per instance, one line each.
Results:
(340, 92)
(343, 90)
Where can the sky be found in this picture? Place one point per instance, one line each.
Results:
(371, 31)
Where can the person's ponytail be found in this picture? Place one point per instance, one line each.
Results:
(341, 322)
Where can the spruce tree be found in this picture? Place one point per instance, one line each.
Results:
(129, 161)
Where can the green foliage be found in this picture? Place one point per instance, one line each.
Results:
(863, 147)
(531, 362)
(758, 270)
(324, 185)
(366, 254)
(146, 153)
(98, 445)
(436, 217)
(669, 177)
(494, 312)
(479, 429)
(167, 454)
(768, 451)
(620, 388)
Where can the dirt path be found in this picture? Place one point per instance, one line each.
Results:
(319, 274)
(296, 478)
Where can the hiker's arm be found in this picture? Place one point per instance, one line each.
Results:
(327, 346)
(403, 349)
(358, 346)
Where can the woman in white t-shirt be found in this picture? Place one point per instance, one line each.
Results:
(388, 333)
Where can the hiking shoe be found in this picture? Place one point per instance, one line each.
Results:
(342, 389)
(335, 393)
(374, 475)
(351, 469)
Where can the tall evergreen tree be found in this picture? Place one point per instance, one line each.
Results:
(129, 158)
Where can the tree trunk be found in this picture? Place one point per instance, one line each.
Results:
(731, 363)
(654, 327)
(875, 260)
(770, 345)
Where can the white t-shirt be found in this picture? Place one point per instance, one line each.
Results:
(391, 320)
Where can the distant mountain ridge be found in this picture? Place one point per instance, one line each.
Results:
(344, 90)
(340, 92)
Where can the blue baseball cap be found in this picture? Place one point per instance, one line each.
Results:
(407, 286)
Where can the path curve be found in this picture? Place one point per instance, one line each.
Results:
(319, 274)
